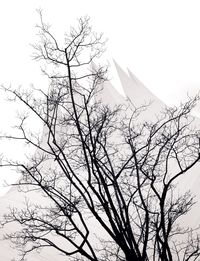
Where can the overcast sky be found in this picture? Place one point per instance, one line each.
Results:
(159, 41)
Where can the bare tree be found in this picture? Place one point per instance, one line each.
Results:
(96, 166)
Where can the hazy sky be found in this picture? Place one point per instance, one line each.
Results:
(159, 41)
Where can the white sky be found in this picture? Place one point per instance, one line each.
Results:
(158, 40)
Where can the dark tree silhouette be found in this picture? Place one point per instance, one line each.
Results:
(109, 180)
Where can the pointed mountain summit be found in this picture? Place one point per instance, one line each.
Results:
(138, 94)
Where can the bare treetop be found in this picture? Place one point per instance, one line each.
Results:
(109, 181)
